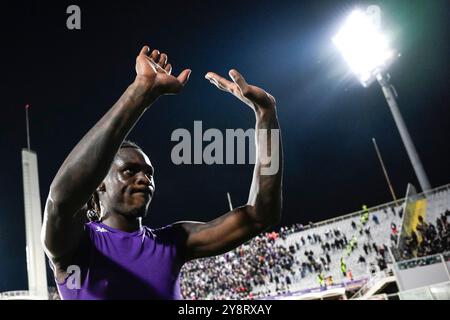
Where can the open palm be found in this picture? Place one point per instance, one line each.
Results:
(157, 72)
(255, 97)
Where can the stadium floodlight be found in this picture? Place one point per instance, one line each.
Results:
(367, 52)
(364, 47)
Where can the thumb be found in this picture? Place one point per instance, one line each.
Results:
(183, 77)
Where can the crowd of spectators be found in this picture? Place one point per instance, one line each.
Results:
(234, 274)
(428, 239)
(264, 261)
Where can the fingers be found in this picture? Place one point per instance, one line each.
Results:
(184, 76)
(240, 81)
(155, 55)
(162, 60)
(159, 61)
(168, 68)
(145, 50)
(219, 82)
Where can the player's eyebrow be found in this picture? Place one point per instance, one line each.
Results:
(137, 165)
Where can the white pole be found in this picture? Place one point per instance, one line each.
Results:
(404, 133)
(384, 169)
(37, 272)
(28, 126)
(229, 201)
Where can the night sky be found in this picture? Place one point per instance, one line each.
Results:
(327, 118)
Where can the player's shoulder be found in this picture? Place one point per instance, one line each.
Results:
(95, 226)
(172, 228)
(173, 231)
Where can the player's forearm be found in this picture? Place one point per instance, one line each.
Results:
(89, 162)
(265, 196)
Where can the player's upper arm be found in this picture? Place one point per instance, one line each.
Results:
(62, 230)
(222, 234)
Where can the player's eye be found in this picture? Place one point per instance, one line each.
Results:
(129, 172)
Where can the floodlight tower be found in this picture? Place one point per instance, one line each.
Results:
(37, 272)
(367, 52)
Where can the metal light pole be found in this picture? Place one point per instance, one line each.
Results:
(366, 50)
(383, 80)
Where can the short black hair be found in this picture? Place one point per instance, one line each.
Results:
(93, 205)
(129, 144)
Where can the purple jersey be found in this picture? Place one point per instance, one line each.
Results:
(113, 264)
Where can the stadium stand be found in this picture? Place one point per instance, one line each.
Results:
(351, 249)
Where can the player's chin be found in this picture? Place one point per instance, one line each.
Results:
(139, 210)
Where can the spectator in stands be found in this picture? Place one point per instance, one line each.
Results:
(321, 280)
(350, 275)
(394, 229)
(367, 232)
(353, 225)
(364, 215)
(422, 226)
(288, 280)
(382, 251)
(343, 267)
(324, 262)
(394, 238)
(393, 211)
(375, 219)
(361, 259)
(337, 243)
(375, 248)
(345, 240)
(414, 240)
(381, 263)
(366, 249)
(354, 242)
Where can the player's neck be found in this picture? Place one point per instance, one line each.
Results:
(122, 223)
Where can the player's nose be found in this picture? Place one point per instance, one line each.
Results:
(144, 179)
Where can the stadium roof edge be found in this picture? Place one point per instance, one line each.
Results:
(387, 204)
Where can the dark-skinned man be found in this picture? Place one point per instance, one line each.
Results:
(111, 180)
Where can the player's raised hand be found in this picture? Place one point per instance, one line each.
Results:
(258, 99)
(153, 68)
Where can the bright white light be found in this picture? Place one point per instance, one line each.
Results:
(363, 46)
